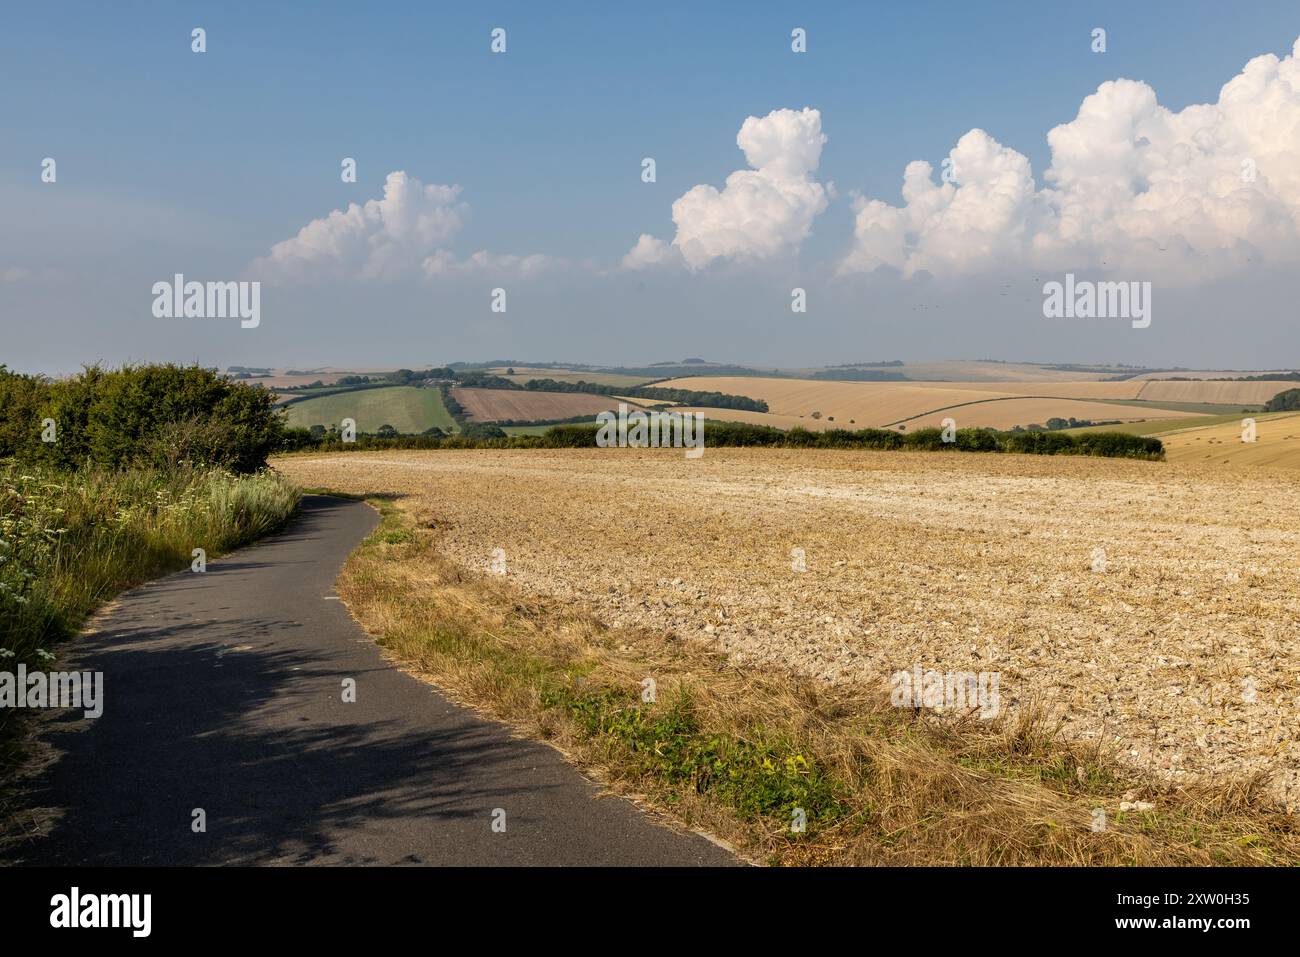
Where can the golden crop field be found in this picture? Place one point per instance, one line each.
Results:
(1127, 389)
(785, 422)
(967, 370)
(1002, 413)
(1007, 413)
(1210, 373)
(1277, 443)
(1229, 393)
(1150, 606)
(867, 403)
(880, 404)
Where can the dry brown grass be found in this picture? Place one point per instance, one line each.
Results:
(906, 789)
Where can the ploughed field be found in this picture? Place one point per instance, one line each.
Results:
(490, 405)
(1179, 652)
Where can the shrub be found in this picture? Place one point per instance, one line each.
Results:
(1037, 443)
(571, 436)
(145, 416)
(479, 430)
(1119, 445)
(930, 440)
(977, 440)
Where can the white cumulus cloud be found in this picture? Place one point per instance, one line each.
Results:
(760, 212)
(379, 239)
(650, 251)
(1186, 194)
(444, 262)
(406, 233)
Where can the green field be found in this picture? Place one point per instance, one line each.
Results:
(405, 408)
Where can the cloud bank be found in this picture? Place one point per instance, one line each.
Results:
(759, 213)
(403, 234)
(1190, 194)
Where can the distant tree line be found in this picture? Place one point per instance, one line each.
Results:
(723, 434)
(1274, 377)
(1056, 423)
(841, 374)
(711, 400)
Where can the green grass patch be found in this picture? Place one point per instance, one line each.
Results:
(408, 409)
(753, 776)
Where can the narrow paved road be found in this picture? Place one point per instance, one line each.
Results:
(223, 691)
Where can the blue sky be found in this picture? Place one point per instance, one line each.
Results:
(173, 161)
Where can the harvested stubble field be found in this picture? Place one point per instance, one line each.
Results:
(492, 405)
(999, 405)
(1276, 445)
(1178, 657)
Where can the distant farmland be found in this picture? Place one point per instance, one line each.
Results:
(916, 405)
(523, 374)
(1277, 443)
(1229, 393)
(405, 408)
(501, 405)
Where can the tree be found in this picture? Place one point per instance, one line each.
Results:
(150, 415)
(483, 430)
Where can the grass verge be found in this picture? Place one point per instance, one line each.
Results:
(740, 752)
(72, 540)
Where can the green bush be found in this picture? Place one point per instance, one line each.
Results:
(977, 440)
(1119, 445)
(931, 440)
(477, 430)
(149, 416)
(1038, 443)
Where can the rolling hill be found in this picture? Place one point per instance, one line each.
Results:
(405, 408)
